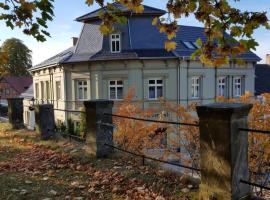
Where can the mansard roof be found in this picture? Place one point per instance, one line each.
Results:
(139, 40)
(124, 11)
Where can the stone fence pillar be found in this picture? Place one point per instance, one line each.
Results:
(15, 112)
(97, 134)
(45, 123)
(224, 151)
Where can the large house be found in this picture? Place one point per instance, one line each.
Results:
(105, 66)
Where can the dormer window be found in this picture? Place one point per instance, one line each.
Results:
(189, 45)
(115, 43)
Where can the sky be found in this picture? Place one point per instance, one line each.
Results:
(64, 27)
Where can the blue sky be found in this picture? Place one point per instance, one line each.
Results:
(63, 27)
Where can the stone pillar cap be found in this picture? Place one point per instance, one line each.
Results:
(224, 109)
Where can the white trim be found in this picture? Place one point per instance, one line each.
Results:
(237, 86)
(116, 39)
(195, 87)
(155, 85)
(222, 86)
(82, 86)
(116, 85)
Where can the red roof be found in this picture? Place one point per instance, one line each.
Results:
(20, 84)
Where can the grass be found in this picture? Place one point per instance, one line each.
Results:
(58, 169)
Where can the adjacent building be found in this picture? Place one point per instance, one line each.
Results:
(11, 87)
(105, 66)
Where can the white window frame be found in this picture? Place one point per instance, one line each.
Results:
(82, 86)
(114, 38)
(195, 87)
(115, 85)
(155, 85)
(222, 86)
(237, 86)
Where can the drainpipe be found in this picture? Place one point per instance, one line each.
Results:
(215, 83)
(188, 63)
(129, 32)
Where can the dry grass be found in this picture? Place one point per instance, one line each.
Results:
(57, 169)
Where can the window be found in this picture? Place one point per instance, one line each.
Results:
(196, 45)
(42, 90)
(7, 91)
(81, 90)
(189, 45)
(222, 86)
(37, 90)
(115, 43)
(237, 88)
(155, 88)
(116, 90)
(195, 87)
(47, 90)
(58, 90)
(1, 91)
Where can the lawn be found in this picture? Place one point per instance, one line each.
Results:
(58, 169)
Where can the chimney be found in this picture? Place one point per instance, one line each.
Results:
(268, 59)
(74, 41)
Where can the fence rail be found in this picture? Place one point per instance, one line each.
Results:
(254, 184)
(254, 130)
(153, 159)
(151, 120)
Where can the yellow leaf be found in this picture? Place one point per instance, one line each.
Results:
(89, 2)
(170, 45)
(104, 29)
(171, 35)
(155, 21)
(139, 9)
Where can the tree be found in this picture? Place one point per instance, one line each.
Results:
(19, 58)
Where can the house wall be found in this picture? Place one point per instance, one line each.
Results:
(136, 73)
(6, 90)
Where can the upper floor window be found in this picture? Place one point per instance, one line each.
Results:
(155, 88)
(195, 87)
(237, 86)
(81, 89)
(58, 90)
(115, 43)
(116, 90)
(222, 86)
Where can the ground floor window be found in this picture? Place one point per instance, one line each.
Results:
(195, 87)
(237, 86)
(116, 90)
(155, 88)
(81, 89)
(222, 86)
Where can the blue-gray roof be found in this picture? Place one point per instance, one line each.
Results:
(124, 11)
(57, 59)
(139, 40)
(262, 80)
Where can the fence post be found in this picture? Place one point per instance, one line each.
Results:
(15, 112)
(224, 151)
(97, 135)
(45, 123)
